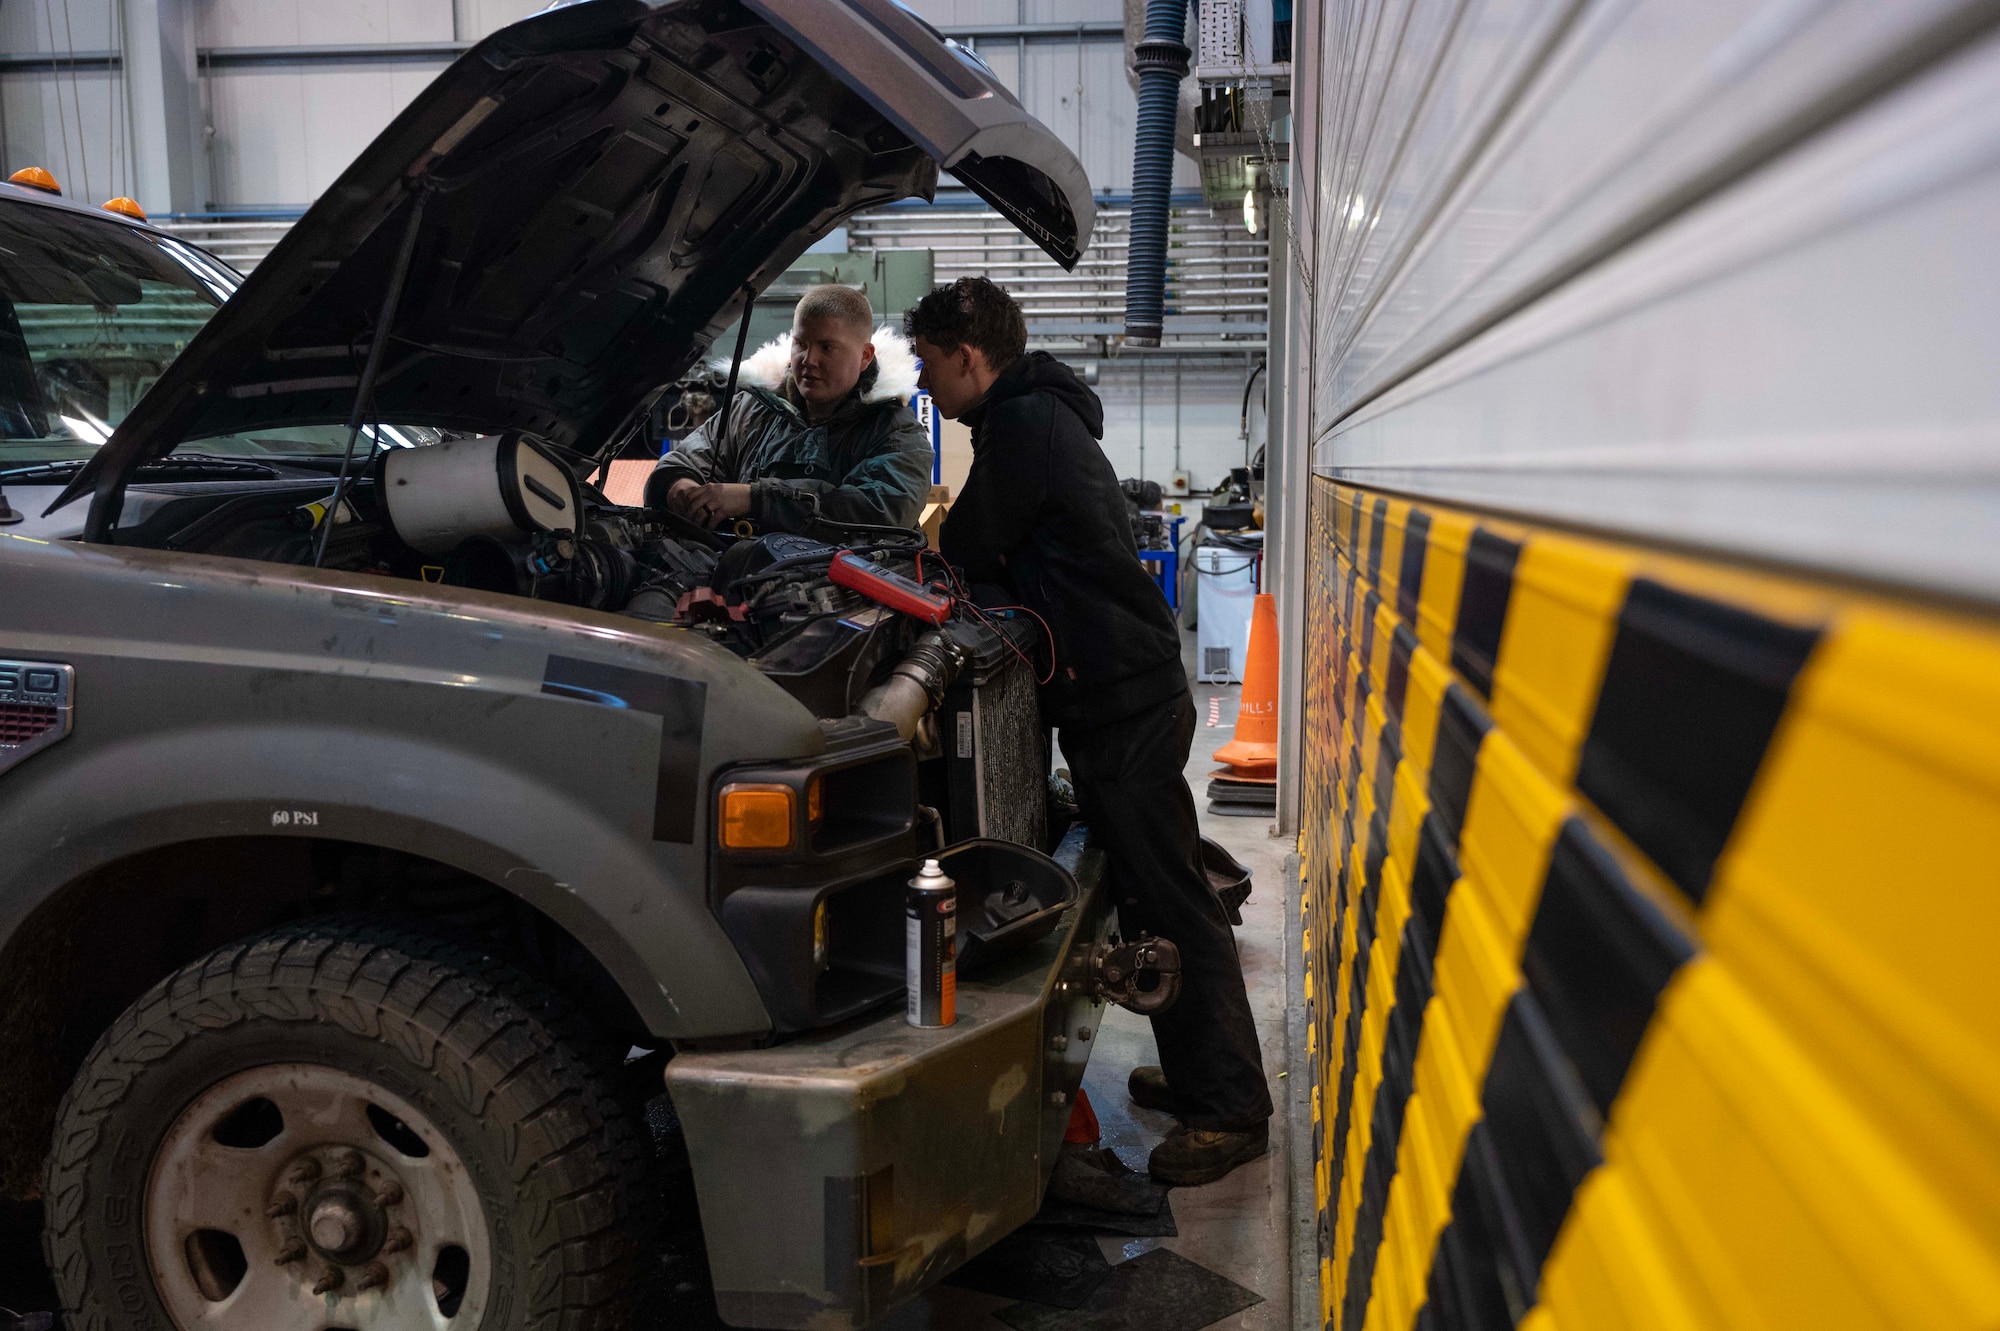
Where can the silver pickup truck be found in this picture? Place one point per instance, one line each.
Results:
(385, 814)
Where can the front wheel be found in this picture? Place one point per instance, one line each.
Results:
(343, 1124)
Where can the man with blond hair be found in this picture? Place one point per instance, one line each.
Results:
(820, 434)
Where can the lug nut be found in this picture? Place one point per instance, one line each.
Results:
(347, 1164)
(373, 1276)
(329, 1279)
(291, 1252)
(281, 1205)
(1057, 1097)
(304, 1172)
(391, 1193)
(396, 1240)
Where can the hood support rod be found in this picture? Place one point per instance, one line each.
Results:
(735, 365)
(364, 392)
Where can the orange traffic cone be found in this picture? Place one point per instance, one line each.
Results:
(1082, 1129)
(1253, 754)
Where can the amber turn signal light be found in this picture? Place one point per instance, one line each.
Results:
(756, 817)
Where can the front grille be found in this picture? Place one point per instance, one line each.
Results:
(21, 723)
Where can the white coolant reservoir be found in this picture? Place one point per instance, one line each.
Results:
(496, 485)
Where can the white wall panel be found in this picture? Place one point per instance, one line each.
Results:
(1209, 415)
(1072, 11)
(318, 23)
(477, 18)
(51, 25)
(65, 121)
(1088, 104)
(40, 113)
(282, 134)
(1800, 367)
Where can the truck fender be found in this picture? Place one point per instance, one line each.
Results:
(564, 857)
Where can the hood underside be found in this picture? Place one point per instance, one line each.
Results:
(599, 186)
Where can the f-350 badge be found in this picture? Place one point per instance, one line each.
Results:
(35, 707)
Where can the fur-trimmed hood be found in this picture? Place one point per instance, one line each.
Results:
(892, 378)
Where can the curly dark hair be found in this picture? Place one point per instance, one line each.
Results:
(970, 312)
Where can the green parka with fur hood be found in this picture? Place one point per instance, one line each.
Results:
(869, 462)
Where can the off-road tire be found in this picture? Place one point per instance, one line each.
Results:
(524, 1090)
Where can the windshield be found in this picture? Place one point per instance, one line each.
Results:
(91, 312)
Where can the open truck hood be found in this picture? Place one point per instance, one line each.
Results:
(600, 185)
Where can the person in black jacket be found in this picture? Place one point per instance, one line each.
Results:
(1041, 523)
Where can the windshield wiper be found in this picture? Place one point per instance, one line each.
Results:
(36, 471)
(180, 466)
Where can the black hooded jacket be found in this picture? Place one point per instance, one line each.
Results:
(1042, 518)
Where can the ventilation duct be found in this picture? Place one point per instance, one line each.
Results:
(1162, 61)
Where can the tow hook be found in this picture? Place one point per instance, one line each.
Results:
(1115, 972)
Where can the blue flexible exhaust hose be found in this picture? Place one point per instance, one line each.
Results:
(1162, 59)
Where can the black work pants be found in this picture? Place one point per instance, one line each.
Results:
(1130, 787)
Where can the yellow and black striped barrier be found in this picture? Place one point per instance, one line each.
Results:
(1650, 910)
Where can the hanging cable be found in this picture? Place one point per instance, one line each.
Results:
(62, 116)
(76, 99)
(125, 99)
(1243, 418)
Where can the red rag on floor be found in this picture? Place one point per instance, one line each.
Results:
(1082, 1129)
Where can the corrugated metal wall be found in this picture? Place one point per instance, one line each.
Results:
(1707, 270)
(1652, 669)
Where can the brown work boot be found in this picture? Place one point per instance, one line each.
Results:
(1148, 1088)
(1190, 1157)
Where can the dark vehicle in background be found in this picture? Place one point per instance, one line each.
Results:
(385, 815)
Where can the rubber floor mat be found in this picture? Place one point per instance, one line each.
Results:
(1063, 1215)
(1041, 1266)
(1158, 1291)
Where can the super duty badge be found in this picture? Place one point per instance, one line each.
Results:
(35, 709)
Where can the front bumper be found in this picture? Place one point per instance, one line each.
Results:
(846, 1171)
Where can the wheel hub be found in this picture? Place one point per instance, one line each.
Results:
(341, 1207)
(342, 1225)
(321, 1204)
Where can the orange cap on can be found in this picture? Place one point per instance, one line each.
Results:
(34, 177)
(123, 204)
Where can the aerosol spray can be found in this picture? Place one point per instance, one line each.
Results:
(930, 913)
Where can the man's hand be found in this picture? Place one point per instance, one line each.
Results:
(709, 504)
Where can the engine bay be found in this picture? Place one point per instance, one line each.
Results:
(827, 616)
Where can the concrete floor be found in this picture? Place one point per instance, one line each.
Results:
(1241, 1226)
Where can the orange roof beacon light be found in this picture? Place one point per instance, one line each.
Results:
(126, 205)
(35, 177)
